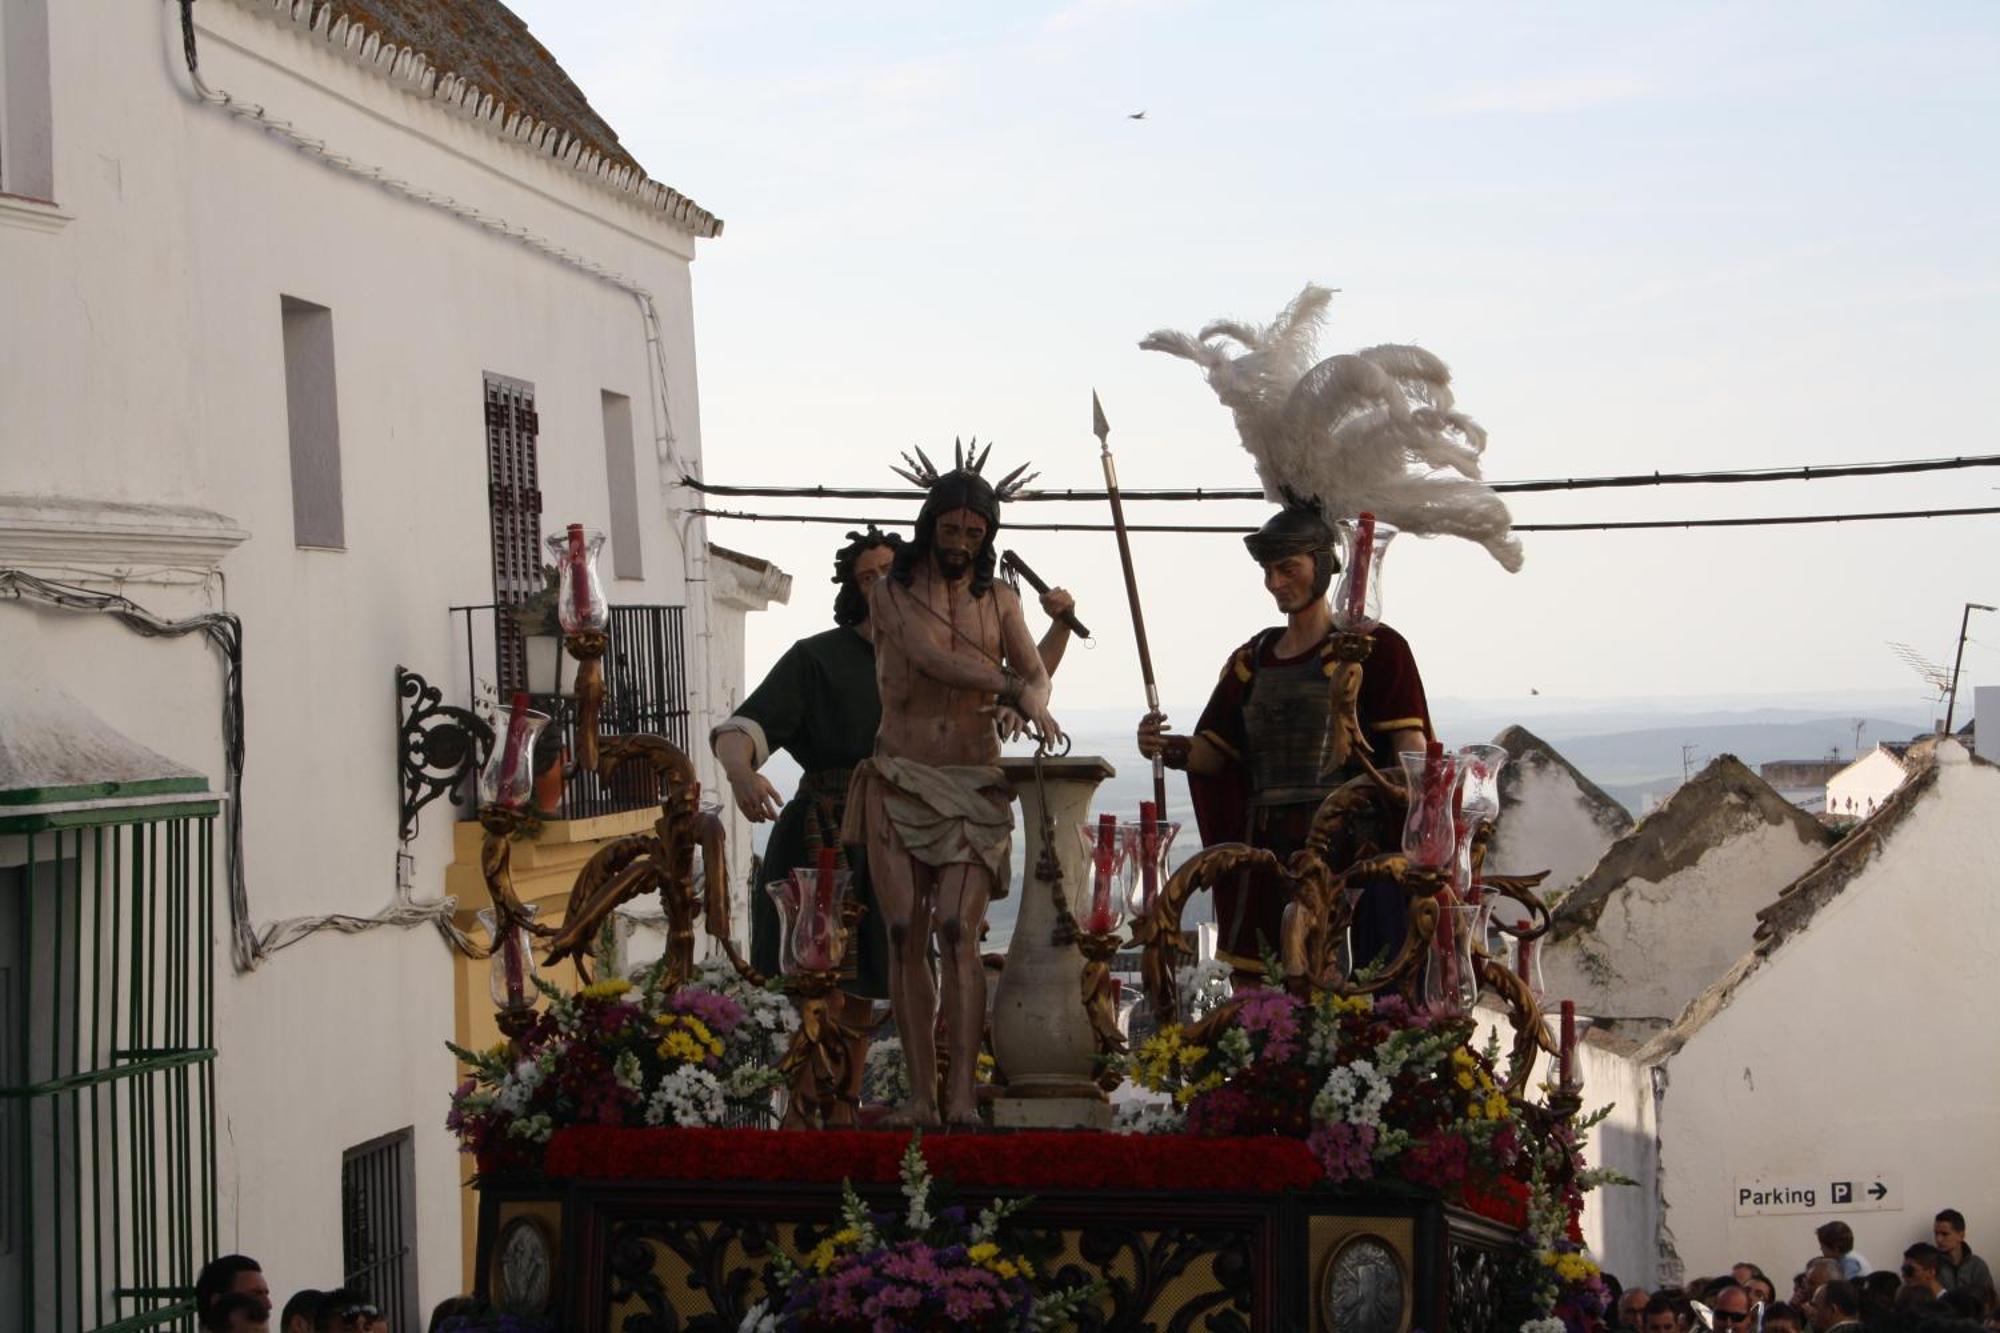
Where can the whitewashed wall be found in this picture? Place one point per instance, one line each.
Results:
(141, 361)
(1859, 789)
(1617, 1219)
(1863, 1043)
(1696, 873)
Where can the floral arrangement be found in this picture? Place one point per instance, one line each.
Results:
(620, 1053)
(885, 1074)
(1378, 1089)
(1384, 1093)
(929, 1267)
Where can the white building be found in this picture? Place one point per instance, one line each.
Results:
(1673, 903)
(1860, 789)
(1552, 817)
(324, 338)
(1842, 1067)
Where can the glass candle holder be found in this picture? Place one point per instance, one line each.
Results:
(580, 603)
(785, 894)
(1451, 984)
(511, 971)
(1357, 598)
(1109, 852)
(1505, 919)
(1150, 856)
(508, 779)
(818, 933)
(1430, 833)
(1479, 780)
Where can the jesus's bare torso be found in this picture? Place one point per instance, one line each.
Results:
(924, 719)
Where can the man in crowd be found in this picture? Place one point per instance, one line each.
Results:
(1782, 1318)
(930, 806)
(1256, 761)
(1731, 1307)
(1958, 1267)
(232, 1273)
(1632, 1309)
(1662, 1315)
(1819, 1271)
(1920, 1269)
(1836, 1308)
(1836, 1241)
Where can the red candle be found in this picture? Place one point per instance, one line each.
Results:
(1100, 889)
(1149, 850)
(1437, 833)
(582, 594)
(1524, 960)
(1357, 580)
(510, 962)
(1566, 1066)
(510, 757)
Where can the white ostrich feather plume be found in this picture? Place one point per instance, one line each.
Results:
(1374, 430)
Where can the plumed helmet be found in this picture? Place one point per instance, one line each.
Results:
(1297, 529)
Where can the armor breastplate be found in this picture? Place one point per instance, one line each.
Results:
(1284, 719)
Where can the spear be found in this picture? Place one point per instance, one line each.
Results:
(1102, 429)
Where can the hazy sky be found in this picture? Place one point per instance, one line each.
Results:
(1644, 237)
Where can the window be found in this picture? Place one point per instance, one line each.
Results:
(312, 417)
(378, 1193)
(27, 147)
(513, 488)
(621, 474)
(107, 1177)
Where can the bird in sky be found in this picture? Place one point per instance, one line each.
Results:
(1136, 115)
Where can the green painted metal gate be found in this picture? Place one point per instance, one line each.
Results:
(107, 1054)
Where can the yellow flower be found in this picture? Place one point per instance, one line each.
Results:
(1005, 1268)
(1465, 1081)
(1461, 1056)
(983, 1251)
(608, 989)
(1190, 1056)
(1027, 1269)
(1474, 1111)
(1351, 1004)
(821, 1258)
(845, 1236)
(1496, 1107)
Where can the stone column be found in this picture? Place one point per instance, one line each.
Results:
(1041, 1035)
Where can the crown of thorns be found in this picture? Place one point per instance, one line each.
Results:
(971, 458)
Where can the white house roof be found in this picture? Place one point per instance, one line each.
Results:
(1883, 751)
(477, 57)
(1798, 902)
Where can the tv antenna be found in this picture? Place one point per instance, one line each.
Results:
(1934, 675)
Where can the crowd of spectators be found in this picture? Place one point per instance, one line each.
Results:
(1938, 1284)
(232, 1296)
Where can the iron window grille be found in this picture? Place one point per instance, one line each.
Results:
(515, 498)
(378, 1192)
(107, 1056)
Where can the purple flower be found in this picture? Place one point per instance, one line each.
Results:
(1276, 1015)
(721, 1014)
(1344, 1150)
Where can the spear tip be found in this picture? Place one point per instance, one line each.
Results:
(1099, 426)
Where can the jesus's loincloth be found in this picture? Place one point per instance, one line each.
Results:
(960, 814)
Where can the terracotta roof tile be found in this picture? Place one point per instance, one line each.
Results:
(480, 56)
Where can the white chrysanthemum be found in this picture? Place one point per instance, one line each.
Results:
(687, 1096)
(1353, 1094)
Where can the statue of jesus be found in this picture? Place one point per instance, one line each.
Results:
(957, 668)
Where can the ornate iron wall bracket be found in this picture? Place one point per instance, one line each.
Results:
(438, 745)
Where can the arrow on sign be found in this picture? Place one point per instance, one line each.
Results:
(1877, 1190)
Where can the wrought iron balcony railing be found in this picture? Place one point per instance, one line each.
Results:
(645, 677)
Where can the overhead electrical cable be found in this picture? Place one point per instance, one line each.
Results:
(1770, 521)
(1805, 472)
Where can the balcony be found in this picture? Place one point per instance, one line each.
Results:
(645, 681)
